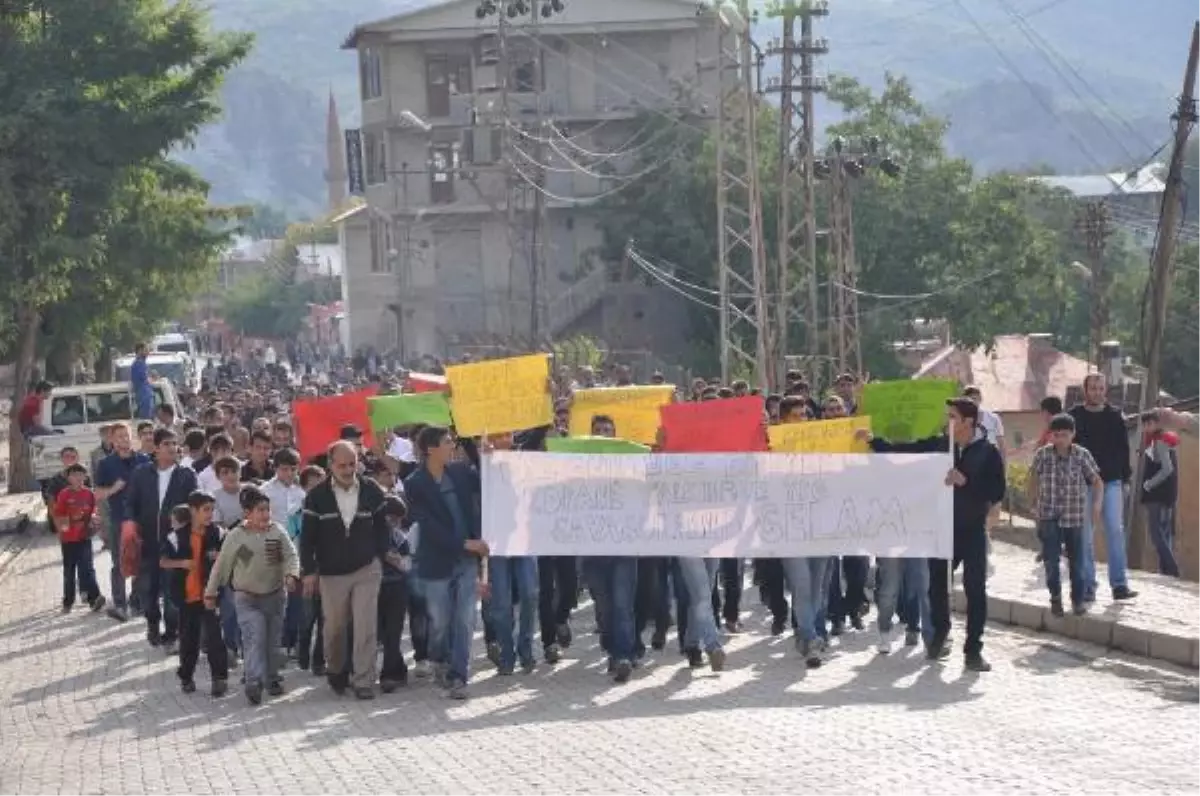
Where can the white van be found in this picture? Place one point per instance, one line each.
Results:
(180, 369)
(174, 343)
(78, 411)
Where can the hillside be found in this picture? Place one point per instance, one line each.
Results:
(270, 146)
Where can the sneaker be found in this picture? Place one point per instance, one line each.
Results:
(553, 654)
(254, 694)
(778, 626)
(733, 627)
(338, 682)
(66, 608)
(912, 638)
(422, 670)
(884, 645)
(856, 622)
(624, 670)
(153, 638)
(976, 663)
(562, 634)
(716, 658)
(364, 693)
(938, 649)
(1123, 593)
(658, 640)
(836, 628)
(170, 646)
(1079, 609)
(118, 613)
(219, 688)
(528, 666)
(187, 686)
(505, 670)
(98, 603)
(318, 670)
(695, 658)
(457, 689)
(275, 688)
(1056, 607)
(493, 653)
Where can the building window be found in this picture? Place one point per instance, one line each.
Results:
(370, 68)
(381, 246)
(443, 163)
(375, 155)
(524, 75)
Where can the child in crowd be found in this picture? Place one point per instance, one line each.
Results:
(191, 550)
(74, 505)
(258, 561)
(393, 596)
(310, 649)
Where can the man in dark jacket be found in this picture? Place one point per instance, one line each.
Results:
(443, 501)
(978, 481)
(344, 540)
(1100, 428)
(154, 489)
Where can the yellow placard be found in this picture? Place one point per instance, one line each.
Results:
(500, 395)
(634, 410)
(820, 436)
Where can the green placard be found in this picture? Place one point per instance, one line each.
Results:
(593, 445)
(389, 411)
(903, 411)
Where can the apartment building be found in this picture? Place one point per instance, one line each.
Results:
(431, 265)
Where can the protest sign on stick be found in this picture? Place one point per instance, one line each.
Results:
(908, 409)
(634, 410)
(820, 436)
(500, 395)
(731, 425)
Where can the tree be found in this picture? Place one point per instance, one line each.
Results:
(88, 95)
(265, 222)
(160, 244)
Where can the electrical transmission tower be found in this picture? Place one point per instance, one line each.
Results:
(745, 324)
(797, 237)
(1094, 224)
(525, 229)
(841, 168)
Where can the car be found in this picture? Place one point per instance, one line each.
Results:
(180, 369)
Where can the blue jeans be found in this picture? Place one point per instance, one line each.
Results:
(806, 578)
(504, 572)
(450, 603)
(116, 579)
(1160, 518)
(1114, 534)
(820, 615)
(699, 576)
(293, 615)
(260, 619)
(907, 580)
(230, 628)
(612, 581)
(1054, 537)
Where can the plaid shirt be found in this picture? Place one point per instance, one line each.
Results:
(1063, 483)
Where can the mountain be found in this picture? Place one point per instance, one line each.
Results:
(1076, 85)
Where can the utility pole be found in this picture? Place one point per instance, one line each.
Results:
(797, 238)
(742, 256)
(1094, 222)
(1184, 119)
(537, 233)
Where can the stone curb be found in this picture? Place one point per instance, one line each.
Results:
(1179, 650)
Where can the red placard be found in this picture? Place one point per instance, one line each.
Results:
(728, 425)
(319, 421)
(426, 382)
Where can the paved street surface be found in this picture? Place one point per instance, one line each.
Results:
(86, 706)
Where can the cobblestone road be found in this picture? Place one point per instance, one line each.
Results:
(87, 707)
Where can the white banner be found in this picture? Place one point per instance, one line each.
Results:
(743, 505)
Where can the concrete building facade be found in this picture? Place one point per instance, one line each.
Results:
(429, 269)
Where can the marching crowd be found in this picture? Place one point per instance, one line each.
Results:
(237, 547)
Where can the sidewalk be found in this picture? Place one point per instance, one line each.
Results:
(1161, 623)
(20, 509)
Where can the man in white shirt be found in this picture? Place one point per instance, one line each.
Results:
(284, 490)
(989, 423)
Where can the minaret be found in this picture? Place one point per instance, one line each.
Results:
(335, 159)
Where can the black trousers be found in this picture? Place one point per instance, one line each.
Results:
(769, 574)
(970, 549)
(844, 603)
(196, 624)
(558, 594)
(156, 587)
(729, 578)
(393, 610)
(651, 603)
